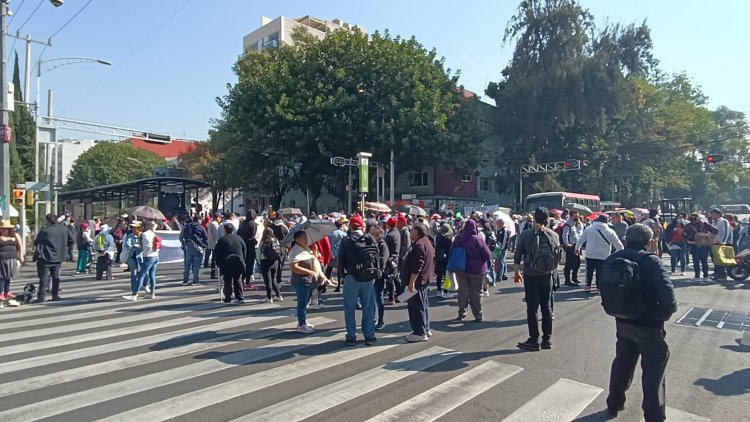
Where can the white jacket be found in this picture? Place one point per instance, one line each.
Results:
(599, 240)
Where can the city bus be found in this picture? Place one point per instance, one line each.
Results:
(552, 200)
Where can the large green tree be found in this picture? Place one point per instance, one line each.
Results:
(22, 126)
(111, 162)
(294, 107)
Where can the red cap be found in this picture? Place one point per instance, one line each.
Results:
(402, 220)
(391, 222)
(356, 222)
(84, 226)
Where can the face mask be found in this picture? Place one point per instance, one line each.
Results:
(680, 221)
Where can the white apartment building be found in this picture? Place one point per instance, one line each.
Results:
(275, 32)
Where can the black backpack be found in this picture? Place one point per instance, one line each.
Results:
(366, 255)
(545, 255)
(621, 287)
(270, 252)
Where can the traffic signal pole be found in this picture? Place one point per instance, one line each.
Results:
(559, 166)
(5, 150)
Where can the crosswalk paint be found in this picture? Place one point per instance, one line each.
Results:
(561, 402)
(452, 393)
(58, 357)
(674, 415)
(195, 400)
(313, 402)
(69, 402)
(116, 332)
(59, 377)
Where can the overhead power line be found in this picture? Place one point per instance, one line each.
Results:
(16, 12)
(64, 25)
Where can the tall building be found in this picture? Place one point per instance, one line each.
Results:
(275, 32)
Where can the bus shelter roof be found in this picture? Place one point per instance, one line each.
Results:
(135, 188)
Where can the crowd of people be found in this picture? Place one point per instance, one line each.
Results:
(381, 260)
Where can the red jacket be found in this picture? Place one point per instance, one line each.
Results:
(324, 251)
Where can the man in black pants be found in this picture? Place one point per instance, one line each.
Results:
(537, 282)
(50, 246)
(643, 335)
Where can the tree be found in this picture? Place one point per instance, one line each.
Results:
(206, 164)
(24, 132)
(294, 107)
(111, 162)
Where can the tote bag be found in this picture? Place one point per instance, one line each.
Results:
(457, 261)
(723, 256)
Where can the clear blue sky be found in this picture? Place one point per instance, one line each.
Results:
(169, 84)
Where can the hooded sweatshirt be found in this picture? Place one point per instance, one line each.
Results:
(477, 252)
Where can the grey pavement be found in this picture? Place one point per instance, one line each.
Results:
(186, 356)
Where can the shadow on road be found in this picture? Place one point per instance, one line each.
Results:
(735, 384)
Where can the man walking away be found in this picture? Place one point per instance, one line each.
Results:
(247, 232)
(418, 268)
(571, 231)
(50, 247)
(71, 226)
(639, 293)
(335, 240)
(104, 245)
(213, 237)
(231, 251)
(404, 245)
(194, 241)
(539, 249)
(599, 240)
(723, 237)
(380, 282)
(358, 262)
(393, 241)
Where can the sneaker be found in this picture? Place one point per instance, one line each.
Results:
(390, 302)
(310, 325)
(185, 283)
(413, 338)
(380, 325)
(337, 289)
(316, 306)
(227, 300)
(350, 341)
(56, 298)
(305, 329)
(595, 291)
(460, 318)
(505, 277)
(546, 345)
(2, 296)
(370, 341)
(152, 295)
(40, 299)
(267, 300)
(530, 345)
(485, 294)
(240, 301)
(429, 333)
(448, 295)
(9, 295)
(576, 282)
(130, 297)
(440, 293)
(279, 298)
(123, 265)
(612, 411)
(707, 280)
(682, 272)
(147, 288)
(196, 284)
(587, 289)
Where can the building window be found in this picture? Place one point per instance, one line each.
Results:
(418, 179)
(271, 41)
(466, 178)
(485, 184)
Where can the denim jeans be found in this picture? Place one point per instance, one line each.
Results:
(365, 291)
(502, 266)
(192, 261)
(303, 296)
(207, 257)
(133, 266)
(379, 302)
(148, 269)
(491, 273)
(679, 255)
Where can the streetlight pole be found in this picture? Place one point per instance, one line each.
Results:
(5, 150)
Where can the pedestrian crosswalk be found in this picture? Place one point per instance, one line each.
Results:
(186, 354)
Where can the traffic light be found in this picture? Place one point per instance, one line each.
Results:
(29, 198)
(18, 197)
(571, 164)
(714, 158)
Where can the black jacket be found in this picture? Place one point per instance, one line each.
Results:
(393, 240)
(230, 253)
(247, 232)
(658, 289)
(52, 242)
(404, 245)
(195, 232)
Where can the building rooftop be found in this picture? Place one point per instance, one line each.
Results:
(171, 150)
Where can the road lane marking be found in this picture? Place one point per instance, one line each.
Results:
(560, 402)
(452, 394)
(319, 400)
(703, 318)
(674, 415)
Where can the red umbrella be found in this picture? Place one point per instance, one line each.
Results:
(593, 215)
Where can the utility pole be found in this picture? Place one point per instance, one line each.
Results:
(393, 182)
(5, 150)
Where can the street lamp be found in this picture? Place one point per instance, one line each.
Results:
(52, 64)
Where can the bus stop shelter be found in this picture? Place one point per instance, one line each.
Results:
(171, 195)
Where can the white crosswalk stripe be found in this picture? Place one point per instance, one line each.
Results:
(561, 402)
(205, 356)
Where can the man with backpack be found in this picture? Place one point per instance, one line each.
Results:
(194, 241)
(104, 245)
(359, 263)
(637, 291)
(539, 249)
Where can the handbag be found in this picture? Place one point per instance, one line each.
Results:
(457, 261)
(723, 255)
(703, 239)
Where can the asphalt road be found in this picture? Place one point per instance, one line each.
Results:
(185, 356)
